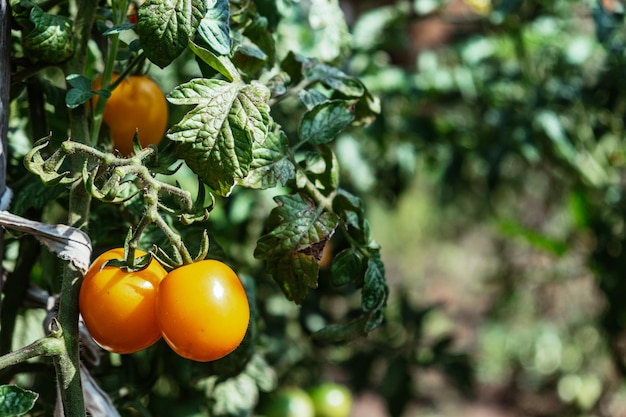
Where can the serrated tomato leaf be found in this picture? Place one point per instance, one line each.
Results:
(51, 39)
(75, 97)
(214, 28)
(165, 27)
(325, 120)
(80, 91)
(375, 290)
(270, 166)
(216, 137)
(15, 401)
(336, 79)
(300, 67)
(374, 295)
(221, 63)
(236, 396)
(298, 231)
(347, 265)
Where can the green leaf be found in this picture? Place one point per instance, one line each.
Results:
(119, 29)
(51, 39)
(343, 332)
(35, 194)
(375, 290)
(236, 396)
(165, 27)
(79, 81)
(366, 110)
(374, 296)
(20, 12)
(322, 168)
(312, 98)
(336, 79)
(216, 137)
(214, 28)
(80, 91)
(298, 231)
(255, 47)
(75, 97)
(352, 211)
(328, 23)
(263, 374)
(222, 64)
(270, 166)
(347, 208)
(15, 401)
(300, 67)
(324, 121)
(346, 265)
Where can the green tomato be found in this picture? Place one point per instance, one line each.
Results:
(290, 402)
(331, 400)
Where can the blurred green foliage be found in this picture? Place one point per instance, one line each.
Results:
(511, 118)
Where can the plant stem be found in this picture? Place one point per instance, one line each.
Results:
(68, 364)
(47, 346)
(118, 14)
(326, 202)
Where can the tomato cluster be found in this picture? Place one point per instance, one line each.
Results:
(201, 310)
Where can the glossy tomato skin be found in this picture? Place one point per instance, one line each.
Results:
(119, 307)
(136, 104)
(331, 400)
(290, 402)
(203, 310)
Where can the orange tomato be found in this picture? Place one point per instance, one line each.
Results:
(118, 307)
(137, 104)
(203, 310)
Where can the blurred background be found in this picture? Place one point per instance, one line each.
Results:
(494, 182)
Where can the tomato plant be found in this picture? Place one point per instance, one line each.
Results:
(254, 123)
(119, 306)
(136, 105)
(331, 400)
(202, 310)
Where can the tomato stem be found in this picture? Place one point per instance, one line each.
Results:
(68, 364)
(182, 253)
(133, 242)
(47, 346)
(322, 200)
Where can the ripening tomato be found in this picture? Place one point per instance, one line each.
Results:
(136, 104)
(203, 310)
(119, 307)
(290, 402)
(331, 400)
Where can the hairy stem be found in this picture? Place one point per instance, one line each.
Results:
(47, 346)
(68, 364)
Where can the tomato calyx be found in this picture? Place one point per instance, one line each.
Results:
(134, 265)
(181, 256)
